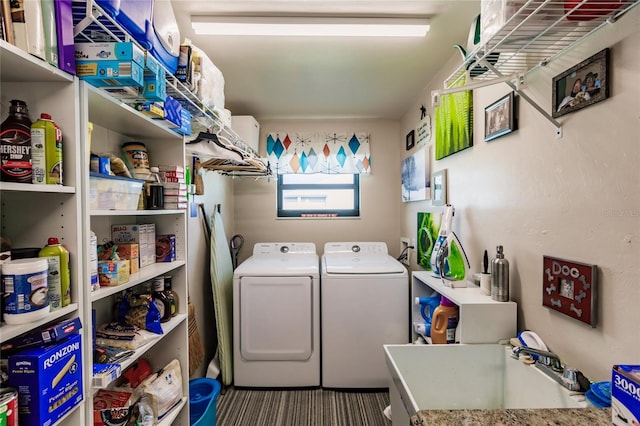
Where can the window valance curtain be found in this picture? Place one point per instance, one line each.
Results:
(328, 153)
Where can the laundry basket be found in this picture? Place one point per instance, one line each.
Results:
(203, 396)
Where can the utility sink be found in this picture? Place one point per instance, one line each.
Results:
(477, 376)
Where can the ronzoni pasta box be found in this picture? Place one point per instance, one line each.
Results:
(48, 379)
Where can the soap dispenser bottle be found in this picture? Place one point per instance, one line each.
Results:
(500, 277)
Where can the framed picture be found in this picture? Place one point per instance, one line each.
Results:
(454, 123)
(416, 176)
(439, 185)
(411, 140)
(581, 85)
(500, 117)
(570, 288)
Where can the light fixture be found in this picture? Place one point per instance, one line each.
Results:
(309, 26)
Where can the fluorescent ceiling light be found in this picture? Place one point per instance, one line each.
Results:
(309, 26)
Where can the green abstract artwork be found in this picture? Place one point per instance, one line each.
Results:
(428, 228)
(454, 122)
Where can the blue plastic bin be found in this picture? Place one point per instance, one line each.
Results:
(203, 397)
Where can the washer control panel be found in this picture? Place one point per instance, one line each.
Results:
(361, 248)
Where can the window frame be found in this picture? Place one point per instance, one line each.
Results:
(318, 214)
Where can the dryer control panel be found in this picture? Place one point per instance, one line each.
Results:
(269, 249)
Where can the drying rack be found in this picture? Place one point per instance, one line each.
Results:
(92, 24)
(539, 32)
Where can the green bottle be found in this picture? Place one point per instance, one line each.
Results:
(59, 278)
(46, 151)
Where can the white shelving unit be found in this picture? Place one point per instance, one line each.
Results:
(115, 123)
(33, 213)
(481, 319)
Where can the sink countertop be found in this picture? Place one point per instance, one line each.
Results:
(530, 417)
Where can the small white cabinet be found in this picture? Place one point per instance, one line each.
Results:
(481, 319)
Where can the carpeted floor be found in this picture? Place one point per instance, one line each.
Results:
(314, 407)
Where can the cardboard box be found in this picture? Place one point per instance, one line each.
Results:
(116, 51)
(144, 235)
(184, 128)
(113, 272)
(176, 206)
(625, 395)
(172, 111)
(53, 333)
(130, 252)
(104, 374)
(110, 73)
(166, 248)
(48, 380)
(151, 109)
(155, 87)
(151, 65)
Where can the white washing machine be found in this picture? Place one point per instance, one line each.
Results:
(365, 304)
(276, 317)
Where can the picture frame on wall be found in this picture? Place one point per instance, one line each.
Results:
(411, 140)
(582, 85)
(439, 185)
(500, 118)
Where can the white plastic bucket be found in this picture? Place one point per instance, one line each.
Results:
(24, 282)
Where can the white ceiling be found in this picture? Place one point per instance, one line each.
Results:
(288, 77)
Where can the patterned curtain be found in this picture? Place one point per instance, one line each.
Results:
(327, 153)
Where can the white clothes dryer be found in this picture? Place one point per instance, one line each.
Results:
(364, 305)
(276, 317)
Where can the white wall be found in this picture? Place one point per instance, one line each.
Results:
(576, 198)
(218, 190)
(255, 201)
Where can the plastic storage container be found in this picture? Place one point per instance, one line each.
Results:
(134, 15)
(113, 193)
(203, 397)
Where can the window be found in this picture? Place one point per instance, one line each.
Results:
(318, 195)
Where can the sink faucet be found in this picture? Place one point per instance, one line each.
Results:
(544, 357)
(550, 364)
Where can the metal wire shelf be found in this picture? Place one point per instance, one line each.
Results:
(536, 34)
(93, 24)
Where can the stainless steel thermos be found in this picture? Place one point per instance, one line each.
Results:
(500, 277)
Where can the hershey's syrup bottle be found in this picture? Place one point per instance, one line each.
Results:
(15, 144)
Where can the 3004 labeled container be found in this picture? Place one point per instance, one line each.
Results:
(25, 289)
